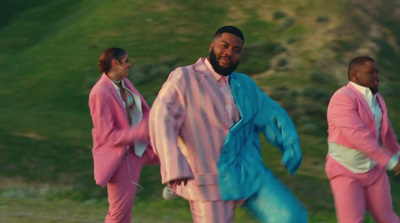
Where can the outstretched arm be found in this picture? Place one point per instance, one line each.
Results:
(277, 127)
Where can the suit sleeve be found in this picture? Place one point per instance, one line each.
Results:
(390, 140)
(105, 130)
(166, 118)
(277, 127)
(343, 114)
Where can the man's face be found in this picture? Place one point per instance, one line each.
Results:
(367, 76)
(225, 52)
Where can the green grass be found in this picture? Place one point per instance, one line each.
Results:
(48, 63)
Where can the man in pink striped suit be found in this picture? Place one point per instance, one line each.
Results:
(362, 146)
(205, 125)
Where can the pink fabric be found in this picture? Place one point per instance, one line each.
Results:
(230, 105)
(122, 187)
(356, 193)
(179, 128)
(113, 140)
(223, 83)
(212, 211)
(351, 124)
(112, 134)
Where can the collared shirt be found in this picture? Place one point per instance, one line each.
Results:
(223, 82)
(135, 108)
(373, 105)
(353, 159)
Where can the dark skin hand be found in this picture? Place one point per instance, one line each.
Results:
(178, 181)
(396, 169)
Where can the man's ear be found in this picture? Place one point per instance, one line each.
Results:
(352, 76)
(355, 74)
(211, 47)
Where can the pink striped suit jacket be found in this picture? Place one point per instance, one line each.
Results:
(112, 134)
(192, 130)
(351, 124)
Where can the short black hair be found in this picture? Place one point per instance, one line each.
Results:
(357, 61)
(230, 29)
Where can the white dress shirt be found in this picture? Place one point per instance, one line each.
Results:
(135, 108)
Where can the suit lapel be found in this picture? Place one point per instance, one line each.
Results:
(385, 119)
(237, 93)
(145, 106)
(211, 87)
(363, 101)
(241, 103)
(114, 93)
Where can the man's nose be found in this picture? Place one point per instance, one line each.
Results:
(228, 52)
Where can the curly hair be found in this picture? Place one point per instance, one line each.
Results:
(107, 56)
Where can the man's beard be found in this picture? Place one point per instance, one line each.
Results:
(374, 90)
(224, 71)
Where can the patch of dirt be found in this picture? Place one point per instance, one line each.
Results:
(30, 135)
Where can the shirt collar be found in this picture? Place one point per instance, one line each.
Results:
(214, 74)
(366, 92)
(116, 86)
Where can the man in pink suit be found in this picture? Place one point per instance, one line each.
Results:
(205, 126)
(362, 146)
(120, 134)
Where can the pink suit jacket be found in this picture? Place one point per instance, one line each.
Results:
(351, 124)
(112, 134)
(190, 97)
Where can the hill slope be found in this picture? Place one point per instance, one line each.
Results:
(297, 51)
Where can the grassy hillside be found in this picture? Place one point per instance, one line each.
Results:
(297, 51)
